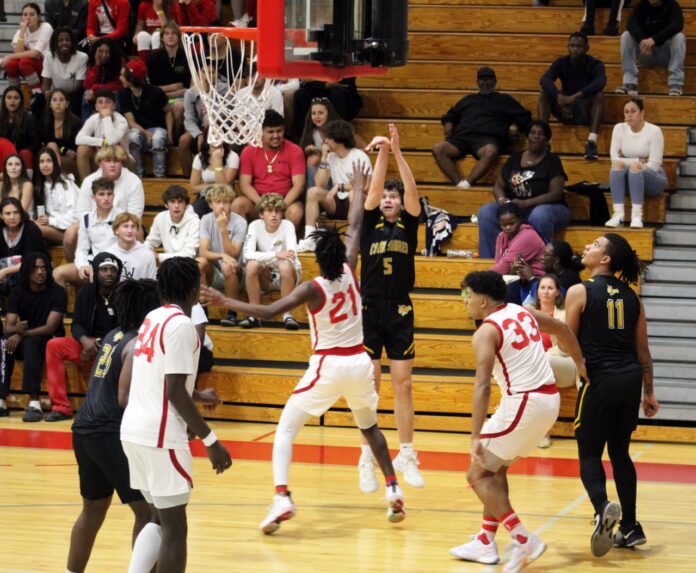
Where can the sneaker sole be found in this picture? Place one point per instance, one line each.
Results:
(396, 512)
(274, 526)
(538, 552)
(603, 535)
(482, 560)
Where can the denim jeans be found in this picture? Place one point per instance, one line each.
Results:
(670, 55)
(638, 185)
(158, 147)
(546, 220)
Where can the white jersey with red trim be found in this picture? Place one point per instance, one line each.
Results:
(521, 364)
(337, 323)
(167, 343)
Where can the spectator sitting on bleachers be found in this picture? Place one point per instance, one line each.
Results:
(580, 101)
(194, 12)
(152, 16)
(106, 127)
(213, 165)
(480, 125)
(16, 183)
(318, 117)
(108, 19)
(18, 126)
(93, 318)
(270, 257)
(68, 14)
(59, 129)
(196, 120)
(94, 235)
(176, 230)
(516, 242)
(637, 148)
(274, 99)
(150, 121)
(535, 180)
(332, 192)
(222, 237)
(103, 72)
(19, 236)
(57, 195)
(34, 315)
(64, 67)
(169, 71)
(30, 43)
(588, 18)
(343, 95)
(139, 262)
(655, 37)
(277, 166)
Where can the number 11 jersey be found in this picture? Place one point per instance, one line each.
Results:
(521, 364)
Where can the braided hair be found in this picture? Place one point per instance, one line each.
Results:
(330, 252)
(178, 280)
(624, 260)
(133, 300)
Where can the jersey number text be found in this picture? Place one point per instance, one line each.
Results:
(338, 301)
(524, 328)
(145, 345)
(615, 314)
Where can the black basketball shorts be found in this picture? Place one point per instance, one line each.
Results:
(388, 324)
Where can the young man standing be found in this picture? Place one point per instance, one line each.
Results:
(176, 230)
(338, 367)
(338, 154)
(388, 241)
(93, 318)
(508, 347)
(609, 320)
(138, 261)
(153, 432)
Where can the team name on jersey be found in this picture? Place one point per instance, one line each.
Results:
(392, 246)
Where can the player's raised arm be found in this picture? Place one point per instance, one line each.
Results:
(411, 201)
(360, 182)
(379, 172)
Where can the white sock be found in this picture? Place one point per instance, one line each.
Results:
(308, 230)
(407, 448)
(592, 137)
(68, 571)
(286, 314)
(464, 184)
(146, 549)
(35, 404)
(3, 404)
(366, 452)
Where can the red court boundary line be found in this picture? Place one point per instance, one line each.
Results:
(348, 456)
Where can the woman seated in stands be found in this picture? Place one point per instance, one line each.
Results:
(516, 242)
(29, 44)
(65, 68)
(18, 126)
(212, 165)
(56, 199)
(59, 128)
(104, 71)
(636, 163)
(550, 301)
(16, 183)
(152, 16)
(534, 179)
(19, 236)
(320, 114)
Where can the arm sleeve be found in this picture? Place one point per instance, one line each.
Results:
(674, 26)
(83, 244)
(45, 33)
(657, 147)
(179, 339)
(60, 300)
(454, 113)
(521, 245)
(599, 79)
(556, 167)
(250, 246)
(62, 220)
(122, 17)
(86, 135)
(290, 236)
(615, 147)
(151, 268)
(246, 166)
(92, 23)
(190, 115)
(518, 114)
(116, 130)
(548, 79)
(136, 200)
(297, 161)
(154, 238)
(81, 71)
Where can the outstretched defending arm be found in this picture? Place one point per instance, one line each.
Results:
(359, 182)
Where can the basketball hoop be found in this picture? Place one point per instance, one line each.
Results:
(220, 68)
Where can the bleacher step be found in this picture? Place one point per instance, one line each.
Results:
(677, 412)
(667, 289)
(661, 309)
(675, 390)
(682, 272)
(674, 253)
(680, 217)
(688, 168)
(672, 329)
(686, 184)
(676, 235)
(678, 350)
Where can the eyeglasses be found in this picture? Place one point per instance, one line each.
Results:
(320, 100)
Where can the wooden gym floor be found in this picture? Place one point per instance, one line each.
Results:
(337, 528)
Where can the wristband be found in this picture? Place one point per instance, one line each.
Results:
(324, 165)
(210, 439)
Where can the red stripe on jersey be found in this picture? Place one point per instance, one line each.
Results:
(512, 426)
(501, 336)
(355, 279)
(165, 324)
(314, 381)
(341, 351)
(163, 420)
(505, 372)
(177, 467)
(545, 389)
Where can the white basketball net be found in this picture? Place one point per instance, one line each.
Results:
(234, 115)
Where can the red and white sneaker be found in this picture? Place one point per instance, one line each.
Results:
(395, 503)
(282, 509)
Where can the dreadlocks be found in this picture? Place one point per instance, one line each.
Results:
(178, 280)
(133, 300)
(330, 252)
(624, 259)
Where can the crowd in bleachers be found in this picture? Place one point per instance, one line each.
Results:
(110, 85)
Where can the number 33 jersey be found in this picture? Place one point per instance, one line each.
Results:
(521, 364)
(337, 323)
(167, 343)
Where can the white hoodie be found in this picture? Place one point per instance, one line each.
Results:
(177, 240)
(61, 203)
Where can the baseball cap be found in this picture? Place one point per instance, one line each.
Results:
(137, 68)
(485, 72)
(106, 260)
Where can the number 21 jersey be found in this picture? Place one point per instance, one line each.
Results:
(521, 364)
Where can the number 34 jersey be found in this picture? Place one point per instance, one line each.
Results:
(521, 364)
(337, 323)
(167, 344)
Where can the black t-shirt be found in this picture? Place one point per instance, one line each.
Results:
(533, 180)
(164, 72)
(387, 266)
(34, 307)
(608, 326)
(104, 318)
(100, 413)
(148, 109)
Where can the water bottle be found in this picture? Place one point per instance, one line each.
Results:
(465, 254)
